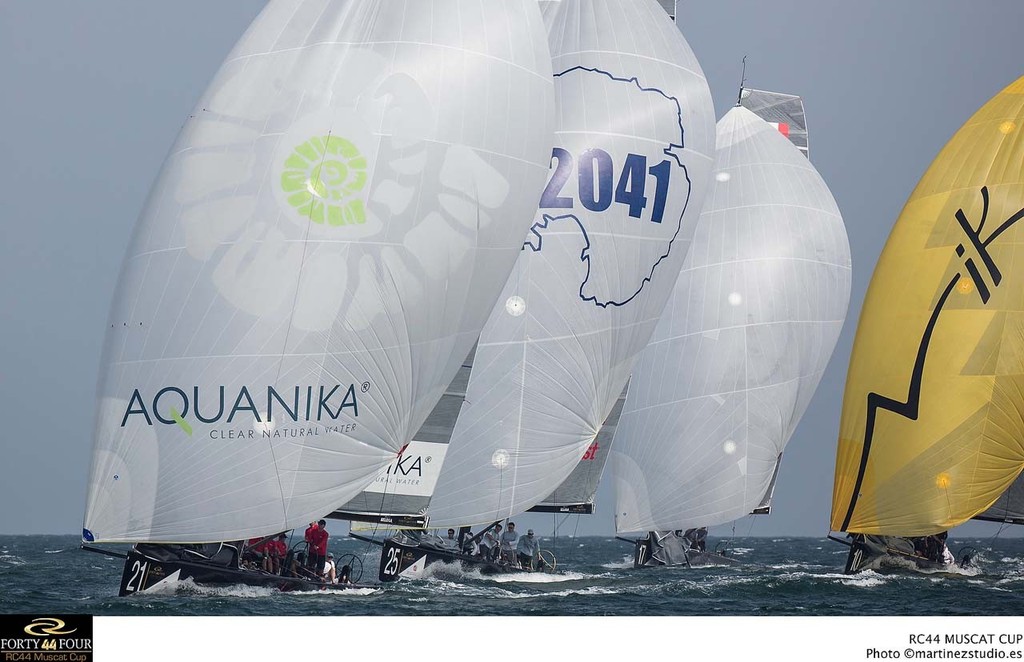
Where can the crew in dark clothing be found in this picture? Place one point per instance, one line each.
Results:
(697, 538)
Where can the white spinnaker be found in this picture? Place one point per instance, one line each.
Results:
(633, 151)
(325, 240)
(742, 343)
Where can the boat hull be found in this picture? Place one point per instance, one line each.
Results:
(155, 566)
(399, 560)
(882, 552)
(672, 551)
(643, 558)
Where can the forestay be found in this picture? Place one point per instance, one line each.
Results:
(633, 151)
(932, 430)
(742, 344)
(315, 261)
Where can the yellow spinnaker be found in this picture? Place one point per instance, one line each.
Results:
(932, 430)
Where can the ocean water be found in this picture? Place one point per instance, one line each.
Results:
(780, 576)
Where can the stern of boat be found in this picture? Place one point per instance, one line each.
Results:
(399, 561)
(142, 572)
(643, 553)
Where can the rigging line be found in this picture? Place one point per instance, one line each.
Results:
(995, 535)
(573, 539)
(366, 548)
(380, 511)
(291, 317)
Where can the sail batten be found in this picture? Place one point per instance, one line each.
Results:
(351, 192)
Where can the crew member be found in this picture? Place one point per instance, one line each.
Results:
(489, 543)
(528, 552)
(508, 544)
(316, 536)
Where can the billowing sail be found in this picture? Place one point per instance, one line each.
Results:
(785, 112)
(633, 152)
(576, 494)
(742, 344)
(399, 494)
(315, 261)
(932, 430)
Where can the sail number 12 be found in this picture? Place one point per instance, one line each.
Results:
(596, 172)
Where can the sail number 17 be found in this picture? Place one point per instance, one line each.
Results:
(596, 172)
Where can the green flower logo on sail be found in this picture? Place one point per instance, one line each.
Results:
(322, 178)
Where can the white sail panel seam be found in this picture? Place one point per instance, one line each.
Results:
(371, 44)
(835, 265)
(745, 390)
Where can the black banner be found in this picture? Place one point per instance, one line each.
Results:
(46, 638)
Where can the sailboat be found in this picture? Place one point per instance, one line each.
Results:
(739, 350)
(576, 495)
(931, 429)
(632, 158)
(314, 263)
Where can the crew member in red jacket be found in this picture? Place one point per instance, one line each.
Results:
(278, 549)
(316, 536)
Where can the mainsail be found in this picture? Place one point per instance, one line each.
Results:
(1009, 507)
(315, 261)
(632, 157)
(742, 344)
(785, 112)
(932, 430)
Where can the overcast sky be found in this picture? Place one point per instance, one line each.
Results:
(92, 94)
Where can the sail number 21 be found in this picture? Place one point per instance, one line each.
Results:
(596, 173)
(135, 581)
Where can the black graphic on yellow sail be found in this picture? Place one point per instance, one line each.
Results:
(932, 430)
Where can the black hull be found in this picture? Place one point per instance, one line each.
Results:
(887, 552)
(694, 560)
(644, 556)
(400, 560)
(147, 568)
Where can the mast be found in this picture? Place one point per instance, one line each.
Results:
(743, 82)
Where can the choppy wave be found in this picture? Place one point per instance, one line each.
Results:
(778, 576)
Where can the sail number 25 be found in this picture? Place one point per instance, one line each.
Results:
(391, 564)
(596, 174)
